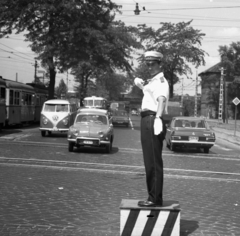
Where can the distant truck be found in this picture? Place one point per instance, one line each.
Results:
(174, 109)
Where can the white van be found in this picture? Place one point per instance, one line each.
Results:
(57, 115)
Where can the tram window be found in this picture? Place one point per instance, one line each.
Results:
(29, 99)
(17, 98)
(3, 94)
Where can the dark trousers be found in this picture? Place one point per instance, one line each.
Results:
(152, 154)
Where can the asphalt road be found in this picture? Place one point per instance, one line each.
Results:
(45, 190)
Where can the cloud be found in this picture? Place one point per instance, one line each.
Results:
(229, 32)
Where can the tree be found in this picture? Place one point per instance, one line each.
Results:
(61, 89)
(64, 33)
(180, 45)
(230, 61)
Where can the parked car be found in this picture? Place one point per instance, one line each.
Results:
(120, 117)
(189, 132)
(92, 127)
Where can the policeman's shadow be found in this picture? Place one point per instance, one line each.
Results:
(187, 227)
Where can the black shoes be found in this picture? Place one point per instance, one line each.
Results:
(148, 204)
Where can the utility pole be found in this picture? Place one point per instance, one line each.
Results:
(67, 80)
(220, 108)
(196, 98)
(225, 101)
(35, 74)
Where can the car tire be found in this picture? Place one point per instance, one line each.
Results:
(43, 133)
(70, 147)
(172, 147)
(206, 150)
(109, 148)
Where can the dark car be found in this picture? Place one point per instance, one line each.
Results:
(189, 132)
(120, 117)
(92, 128)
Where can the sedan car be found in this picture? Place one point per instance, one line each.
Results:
(120, 117)
(92, 128)
(189, 132)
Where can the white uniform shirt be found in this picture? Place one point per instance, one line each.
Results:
(157, 86)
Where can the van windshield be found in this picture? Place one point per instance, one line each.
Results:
(56, 108)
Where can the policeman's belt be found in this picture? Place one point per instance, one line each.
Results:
(148, 113)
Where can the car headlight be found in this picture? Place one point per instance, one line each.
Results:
(44, 120)
(73, 130)
(103, 135)
(65, 121)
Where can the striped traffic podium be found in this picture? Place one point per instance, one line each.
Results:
(149, 221)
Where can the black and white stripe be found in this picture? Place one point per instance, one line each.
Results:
(138, 222)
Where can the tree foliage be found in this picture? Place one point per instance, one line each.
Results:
(230, 61)
(64, 33)
(61, 89)
(180, 45)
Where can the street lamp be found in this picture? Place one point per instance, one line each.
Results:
(137, 11)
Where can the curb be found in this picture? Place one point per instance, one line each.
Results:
(220, 134)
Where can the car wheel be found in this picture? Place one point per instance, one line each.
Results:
(70, 146)
(109, 148)
(206, 150)
(127, 125)
(172, 147)
(43, 132)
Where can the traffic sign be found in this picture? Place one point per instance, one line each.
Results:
(236, 101)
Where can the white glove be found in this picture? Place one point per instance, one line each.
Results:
(139, 82)
(158, 126)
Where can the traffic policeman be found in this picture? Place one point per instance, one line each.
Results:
(153, 129)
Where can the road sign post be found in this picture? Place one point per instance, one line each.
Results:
(235, 101)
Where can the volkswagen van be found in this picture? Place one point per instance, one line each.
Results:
(57, 115)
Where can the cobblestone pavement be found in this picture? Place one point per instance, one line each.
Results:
(52, 200)
(59, 194)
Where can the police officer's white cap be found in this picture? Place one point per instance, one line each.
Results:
(153, 56)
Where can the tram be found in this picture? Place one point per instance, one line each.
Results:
(95, 102)
(19, 102)
(2, 102)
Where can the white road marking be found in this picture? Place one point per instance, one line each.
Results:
(122, 172)
(223, 148)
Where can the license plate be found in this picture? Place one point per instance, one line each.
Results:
(193, 139)
(87, 142)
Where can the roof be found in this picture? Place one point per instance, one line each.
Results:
(92, 111)
(214, 69)
(57, 101)
(17, 85)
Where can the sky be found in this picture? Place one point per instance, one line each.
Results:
(218, 19)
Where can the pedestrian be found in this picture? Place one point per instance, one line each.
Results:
(153, 129)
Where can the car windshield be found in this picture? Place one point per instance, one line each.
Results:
(119, 113)
(189, 124)
(56, 108)
(96, 119)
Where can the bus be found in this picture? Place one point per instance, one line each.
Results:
(95, 102)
